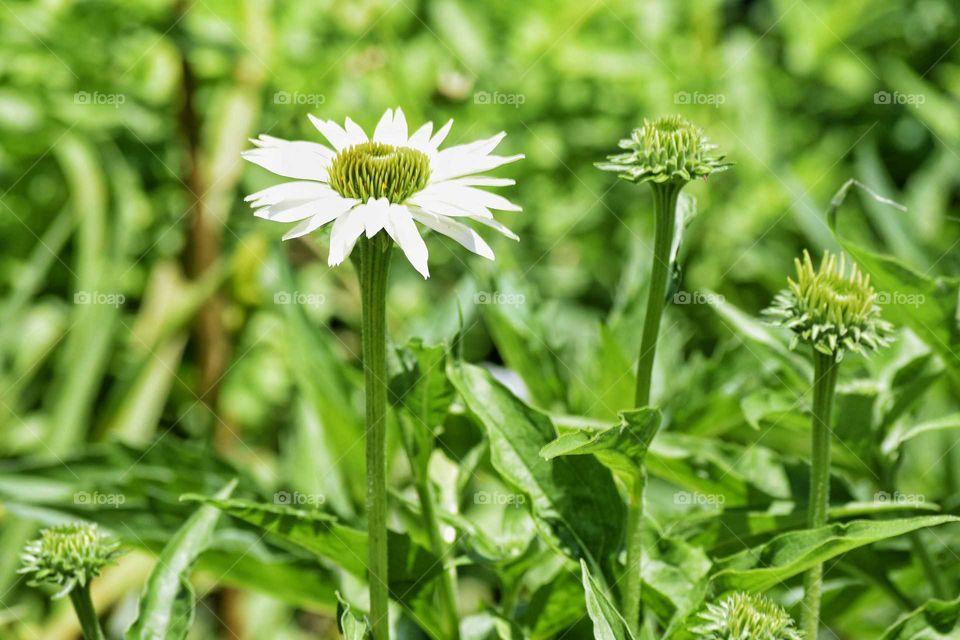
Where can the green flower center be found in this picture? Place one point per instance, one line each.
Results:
(376, 170)
(667, 149)
(833, 295)
(68, 554)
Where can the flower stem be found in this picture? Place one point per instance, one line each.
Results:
(634, 582)
(374, 268)
(824, 386)
(665, 208)
(83, 605)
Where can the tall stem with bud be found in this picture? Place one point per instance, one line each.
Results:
(824, 387)
(668, 153)
(665, 197)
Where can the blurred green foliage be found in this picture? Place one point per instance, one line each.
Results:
(122, 226)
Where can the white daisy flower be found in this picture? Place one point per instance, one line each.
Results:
(383, 183)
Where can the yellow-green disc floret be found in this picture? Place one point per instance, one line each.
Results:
(669, 148)
(68, 555)
(372, 170)
(833, 308)
(745, 616)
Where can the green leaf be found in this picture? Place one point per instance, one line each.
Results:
(608, 624)
(935, 620)
(574, 499)
(425, 394)
(903, 434)
(522, 339)
(351, 627)
(554, 606)
(622, 449)
(674, 575)
(796, 368)
(741, 476)
(792, 553)
(927, 305)
(421, 387)
(167, 603)
(410, 567)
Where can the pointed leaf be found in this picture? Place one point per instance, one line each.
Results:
(410, 567)
(167, 603)
(608, 624)
(622, 449)
(574, 499)
(792, 553)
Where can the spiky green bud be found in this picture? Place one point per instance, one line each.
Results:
(745, 616)
(68, 555)
(833, 308)
(668, 148)
(376, 170)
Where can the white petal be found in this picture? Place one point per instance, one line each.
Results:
(285, 191)
(467, 197)
(478, 147)
(440, 135)
(456, 230)
(346, 230)
(404, 232)
(481, 181)
(331, 131)
(270, 141)
(376, 216)
(496, 224)
(453, 209)
(468, 165)
(326, 215)
(299, 160)
(384, 127)
(294, 210)
(400, 130)
(421, 138)
(355, 133)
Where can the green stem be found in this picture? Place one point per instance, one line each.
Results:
(824, 385)
(930, 568)
(448, 590)
(665, 210)
(83, 605)
(374, 268)
(634, 582)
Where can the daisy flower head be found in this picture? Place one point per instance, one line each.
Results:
(68, 555)
(746, 616)
(666, 149)
(387, 183)
(833, 308)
